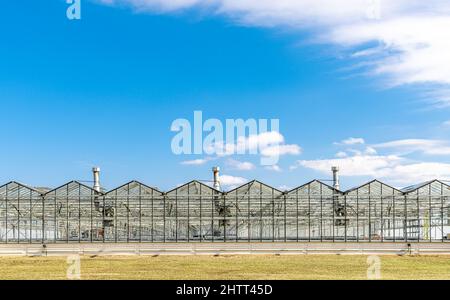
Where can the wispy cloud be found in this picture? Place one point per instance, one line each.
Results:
(275, 168)
(351, 141)
(409, 39)
(231, 182)
(395, 166)
(197, 162)
(357, 165)
(391, 168)
(240, 165)
(268, 144)
(280, 150)
(341, 154)
(425, 146)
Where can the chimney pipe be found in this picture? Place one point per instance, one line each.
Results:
(96, 172)
(335, 171)
(216, 171)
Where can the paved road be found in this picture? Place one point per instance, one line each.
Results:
(101, 249)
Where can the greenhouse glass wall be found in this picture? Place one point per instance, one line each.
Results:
(196, 212)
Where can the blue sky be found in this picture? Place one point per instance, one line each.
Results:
(105, 89)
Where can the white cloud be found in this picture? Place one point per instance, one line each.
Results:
(358, 165)
(370, 151)
(415, 49)
(275, 168)
(197, 162)
(240, 165)
(355, 151)
(154, 5)
(281, 150)
(418, 172)
(267, 144)
(341, 154)
(259, 141)
(231, 181)
(244, 144)
(409, 39)
(446, 124)
(392, 168)
(351, 141)
(426, 146)
(284, 188)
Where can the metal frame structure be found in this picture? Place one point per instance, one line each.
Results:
(253, 212)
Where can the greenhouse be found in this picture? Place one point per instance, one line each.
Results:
(198, 212)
